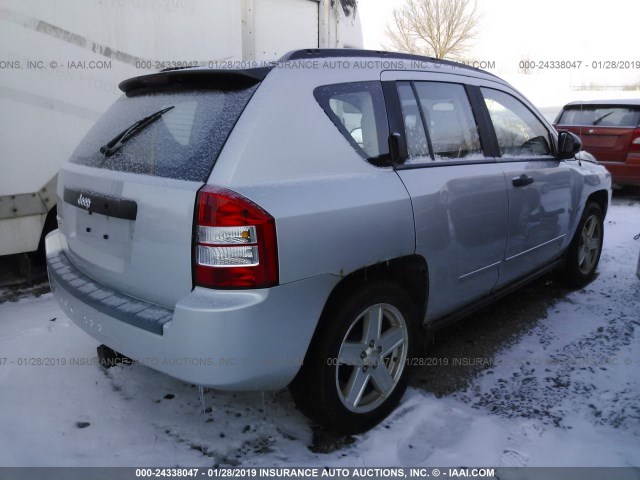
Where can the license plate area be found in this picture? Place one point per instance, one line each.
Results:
(107, 231)
(103, 241)
(95, 234)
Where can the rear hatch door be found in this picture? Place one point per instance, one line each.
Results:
(128, 217)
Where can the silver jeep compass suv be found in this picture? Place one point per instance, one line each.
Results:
(304, 223)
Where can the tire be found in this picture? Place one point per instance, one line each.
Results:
(358, 366)
(584, 251)
(50, 224)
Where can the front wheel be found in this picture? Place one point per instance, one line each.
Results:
(358, 367)
(585, 248)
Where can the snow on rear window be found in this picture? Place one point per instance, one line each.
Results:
(180, 125)
(183, 144)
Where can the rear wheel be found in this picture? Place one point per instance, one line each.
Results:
(357, 369)
(585, 249)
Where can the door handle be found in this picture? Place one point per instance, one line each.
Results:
(522, 180)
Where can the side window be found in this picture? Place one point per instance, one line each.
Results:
(417, 144)
(450, 123)
(357, 110)
(518, 130)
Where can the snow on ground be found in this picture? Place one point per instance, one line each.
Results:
(565, 393)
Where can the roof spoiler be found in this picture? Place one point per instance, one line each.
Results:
(201, 77)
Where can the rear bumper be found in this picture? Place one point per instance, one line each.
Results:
(624, 173)
(229, 340)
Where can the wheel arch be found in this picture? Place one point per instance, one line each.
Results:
(410, 272)
(601, 198)
(407, 273)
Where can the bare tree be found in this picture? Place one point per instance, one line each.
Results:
(435, 28)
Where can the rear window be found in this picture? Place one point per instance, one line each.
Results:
(183, 144)
(590, 115)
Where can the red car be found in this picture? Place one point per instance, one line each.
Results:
(610, 131)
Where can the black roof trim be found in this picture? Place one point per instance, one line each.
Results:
(359, 53)
(199, 77)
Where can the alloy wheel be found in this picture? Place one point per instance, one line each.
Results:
(372, 358)
(590, 244)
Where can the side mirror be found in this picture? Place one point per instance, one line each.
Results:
(569, 144)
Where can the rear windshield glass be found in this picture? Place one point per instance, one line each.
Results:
(182, 144)
(600, 116)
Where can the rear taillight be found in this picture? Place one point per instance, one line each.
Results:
(235, 242)
(635, 141)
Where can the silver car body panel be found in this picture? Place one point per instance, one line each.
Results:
(477, 231)
(323, 195)
(230, 340)
(335, 214)
(460, 215)
(540, 215)
(149, 258)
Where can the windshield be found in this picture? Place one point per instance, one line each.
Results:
(182, 144)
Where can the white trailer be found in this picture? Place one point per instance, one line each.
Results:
(61, 62)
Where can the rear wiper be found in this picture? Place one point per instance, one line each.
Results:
(116, 143)
(599, 119)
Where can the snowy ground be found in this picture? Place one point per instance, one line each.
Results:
(562, 389)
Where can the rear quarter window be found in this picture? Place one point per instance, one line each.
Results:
(357, 110)
(183, 144)
(602, 116)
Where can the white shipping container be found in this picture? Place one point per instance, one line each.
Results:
(61, 62)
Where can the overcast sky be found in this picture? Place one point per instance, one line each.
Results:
(510, 30)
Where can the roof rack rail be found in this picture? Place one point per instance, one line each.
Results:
(360, 53)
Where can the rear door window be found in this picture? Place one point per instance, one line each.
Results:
(358, 111)
(183, 144)
(598, 115)
(518, 130)
(450, 123)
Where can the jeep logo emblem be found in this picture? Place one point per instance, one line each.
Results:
(84, 201)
